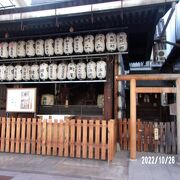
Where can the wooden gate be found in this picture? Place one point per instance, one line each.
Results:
(145, 141)
(92, 139)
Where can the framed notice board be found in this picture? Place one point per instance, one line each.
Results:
(21, 100)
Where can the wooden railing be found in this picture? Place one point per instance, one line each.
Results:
(92, 139)
(145, 141)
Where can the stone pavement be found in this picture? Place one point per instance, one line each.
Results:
(26, 167)
(139, 171)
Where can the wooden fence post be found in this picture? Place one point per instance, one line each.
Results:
(84, 153)
(12, 134)
(3, 130)
(44, 138)
(110, 140)
(8, 126)
(72, 138)
(103, 150)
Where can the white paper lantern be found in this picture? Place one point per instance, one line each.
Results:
(49, 47)
(101, 69)
(68, 45)
(99, 43)
(78, 44)
(81, 70)
(26, 72)
(89, 43)
(122, 41)
(35, 72)
(30, 48)
(39, 47)
(2, 72)
(13, 49)
(43, 71)
(47, 100)
(4, 50)
(52, 71)
(18, 73)
(58, 46)
(91, 70)
(71, 71)
(111, 43)
(9, 73)
(62, 71)
(100, 100)
(21, 51)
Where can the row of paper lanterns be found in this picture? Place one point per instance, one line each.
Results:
(62, 71)
(67, 45)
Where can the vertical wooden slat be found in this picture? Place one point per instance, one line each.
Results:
(8, 126)
(66, 140)
(44, 132)
(110, 140)
(84, 150)
(72, 139)
(33, 144)
(139, 135)
(168, 138)
(23, 132)
(150, 137)
(161, 138)
(125, 123)
(91, 138)
(39, 131)
(156, 148)
(28, 137)
(12, 135)
(78, 141)
(49, 137)
(145, 136)
(174, 135)
(55, 131)
(18, 126)
(61, 138)
(3, 130)
(120, 133)
(97, 139)
(103, 135)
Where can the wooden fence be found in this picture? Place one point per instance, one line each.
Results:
(92, 139)
(145, 141)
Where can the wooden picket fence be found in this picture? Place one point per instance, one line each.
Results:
(145, 141)
(92, 139)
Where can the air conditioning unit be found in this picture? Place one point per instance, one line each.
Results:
(161, 55)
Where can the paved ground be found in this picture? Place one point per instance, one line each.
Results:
(27, 167)
(167, 171)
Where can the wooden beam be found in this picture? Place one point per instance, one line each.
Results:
(155, 90)
(148, 77)
(178, 115)
(133, 119)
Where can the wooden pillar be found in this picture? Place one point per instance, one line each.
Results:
(115, 88)
(178, 115)
(108, 91)
(132, 119)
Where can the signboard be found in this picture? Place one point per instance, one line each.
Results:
(21, 100)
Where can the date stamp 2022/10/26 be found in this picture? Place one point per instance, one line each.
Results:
(158, 160)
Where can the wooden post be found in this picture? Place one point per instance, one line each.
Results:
(133, 119)
(178, 115)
